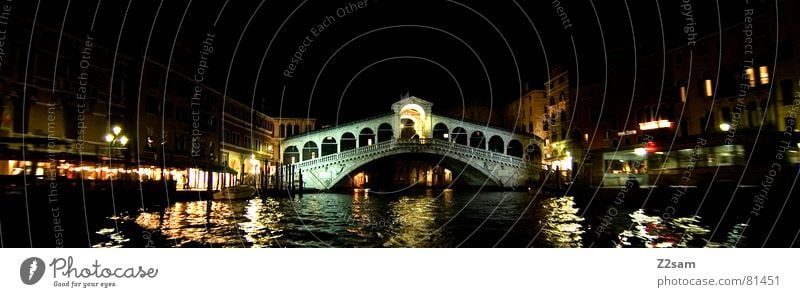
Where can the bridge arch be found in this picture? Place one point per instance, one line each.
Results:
(329, 146)
(496, 144)
(385, 132)
(459, 135)
(412, 121)
(310, 150)
(479, 167)
(477, 140)
(321, 154)
(366, 137)
(291, 155)
(348, 142)
(440, 131)
(514, 148)
(533, 153)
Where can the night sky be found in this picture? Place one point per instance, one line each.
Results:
(362, 59)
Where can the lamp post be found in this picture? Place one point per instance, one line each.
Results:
(116, 138)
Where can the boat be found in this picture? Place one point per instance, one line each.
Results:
(236, 192)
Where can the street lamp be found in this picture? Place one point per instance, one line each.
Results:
(724, 127)
(115, 137)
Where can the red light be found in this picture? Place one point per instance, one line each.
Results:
(651, 147)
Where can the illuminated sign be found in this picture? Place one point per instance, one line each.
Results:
(655, 125)
(626, 133)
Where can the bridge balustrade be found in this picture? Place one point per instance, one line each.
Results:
(446, 147)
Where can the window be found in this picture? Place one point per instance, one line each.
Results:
(234, 139)
(787, 88)
(726, 115)
(763, 74)
(708, 88)
(751, 76)
(151, 105)
(785, 49)
(181, 142)
(168, 110)
(752, 114)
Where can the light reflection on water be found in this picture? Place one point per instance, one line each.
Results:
(654, 231)
(426, 219)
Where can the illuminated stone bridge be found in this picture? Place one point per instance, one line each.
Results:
(477, 154)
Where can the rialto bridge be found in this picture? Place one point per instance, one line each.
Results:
(476, 153)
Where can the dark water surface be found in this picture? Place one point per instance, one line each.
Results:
(422, 218)
(433, 219)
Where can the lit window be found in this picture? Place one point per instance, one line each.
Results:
(764, 74)
(751, 76)
(709, 90)
(683, 94)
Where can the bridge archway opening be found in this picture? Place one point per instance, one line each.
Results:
(440, 131)
(416, 114)
(534, 154)
(514, 148)
(424, 170)
(348, 141)
(459, 135)
(409, 129)
(385, 132)
(291, 155)
(496, 144)
(310, 150)
(366, 137)
(477, 140)
(329, 146)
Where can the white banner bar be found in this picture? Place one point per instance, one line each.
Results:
(399, 272)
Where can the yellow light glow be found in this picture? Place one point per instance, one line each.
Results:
(655, 125)
(683, 94)
(763, 72)
(751, 76)
(709, 89)
(123, 140)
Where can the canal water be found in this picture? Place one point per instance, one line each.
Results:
(427, 218)
(418, 218)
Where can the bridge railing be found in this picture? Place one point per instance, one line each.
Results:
(437, 144)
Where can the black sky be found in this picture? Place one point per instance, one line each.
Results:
(441, 51)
